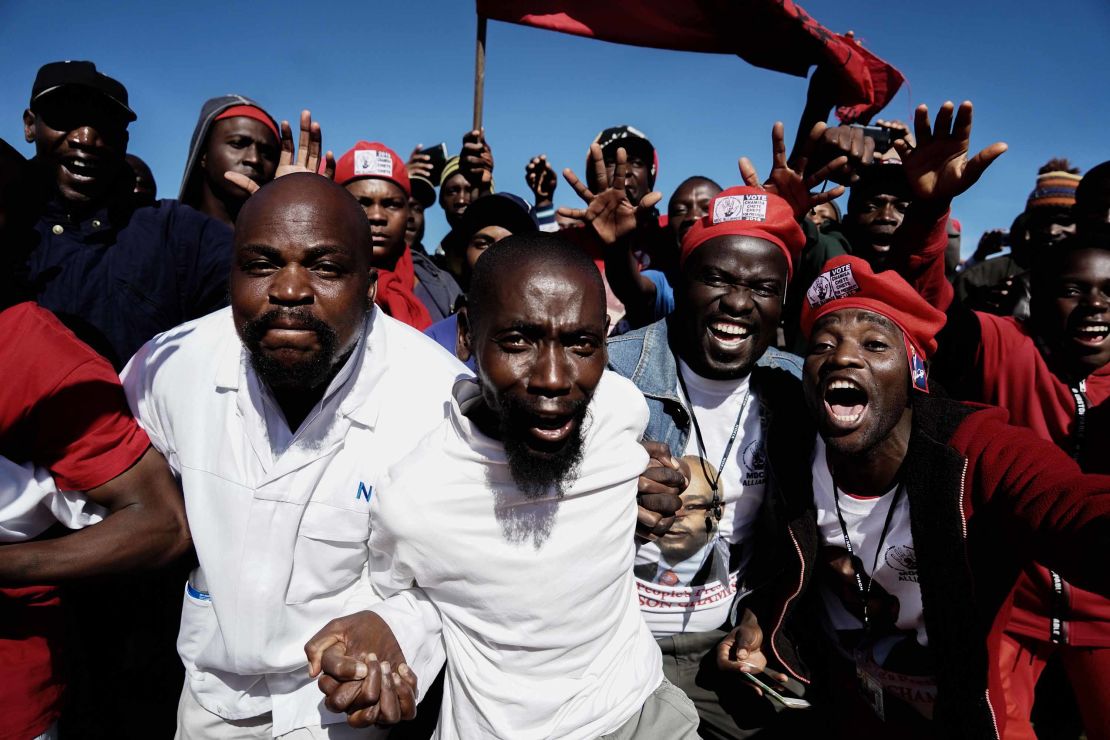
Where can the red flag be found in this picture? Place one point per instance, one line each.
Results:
(774, 34)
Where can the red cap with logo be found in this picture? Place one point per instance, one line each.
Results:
(372, 159)
(849, 282)
(748, 211)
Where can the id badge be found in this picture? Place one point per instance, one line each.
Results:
(870, 687)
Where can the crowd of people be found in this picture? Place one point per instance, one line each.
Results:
(758, 465)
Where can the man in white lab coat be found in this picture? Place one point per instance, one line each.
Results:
(279, 415)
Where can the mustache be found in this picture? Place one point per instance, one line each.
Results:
(296, 318)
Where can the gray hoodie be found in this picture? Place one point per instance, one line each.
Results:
(190, 182)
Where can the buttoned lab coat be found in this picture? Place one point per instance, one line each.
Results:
(280, 532)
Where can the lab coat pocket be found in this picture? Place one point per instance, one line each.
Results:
(330, 551)
(198, 626)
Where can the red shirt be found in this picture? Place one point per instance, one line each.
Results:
(62, 407)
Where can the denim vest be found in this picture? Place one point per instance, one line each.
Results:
(645, 357)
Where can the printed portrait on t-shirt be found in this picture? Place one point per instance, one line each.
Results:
(687, 550)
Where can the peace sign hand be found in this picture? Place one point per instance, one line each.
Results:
(610, 212)
(938, 168)
(791, 184)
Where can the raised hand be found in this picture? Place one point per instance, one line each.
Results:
(419, 164)
(791, 184)
(304, 158)
(476, 161)
(898, 130)
(609, 212)
(362, 670)
(938, 168)
(541, 179)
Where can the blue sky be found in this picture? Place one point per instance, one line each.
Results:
(402, 73)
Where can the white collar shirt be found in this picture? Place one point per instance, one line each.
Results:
(279, 519)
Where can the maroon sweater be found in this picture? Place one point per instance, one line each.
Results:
(995, 360)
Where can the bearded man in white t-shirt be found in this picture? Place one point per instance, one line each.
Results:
(506, 539)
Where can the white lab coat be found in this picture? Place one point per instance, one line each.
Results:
(280, 531)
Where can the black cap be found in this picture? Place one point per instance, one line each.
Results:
(498, 209)
(625, 136)
(81, 74)
(632, 140)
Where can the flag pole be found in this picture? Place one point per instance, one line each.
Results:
(479, 71)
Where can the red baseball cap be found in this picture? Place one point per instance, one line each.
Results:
(372, 159)
(849, 282)
(748, 211)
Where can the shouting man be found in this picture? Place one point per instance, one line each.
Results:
(507, 538)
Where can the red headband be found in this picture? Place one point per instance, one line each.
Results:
(250, 111)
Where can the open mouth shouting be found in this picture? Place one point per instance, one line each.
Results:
(553, 429)
(845, 403)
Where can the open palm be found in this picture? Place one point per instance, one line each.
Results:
(609, 212)
(938, 168)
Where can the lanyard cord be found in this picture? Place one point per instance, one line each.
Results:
(714, 481)
(1079, 393)
(1060, 604)
(864, 592)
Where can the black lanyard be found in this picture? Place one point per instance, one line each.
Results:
(1059, 598)
(714, 481)
(864, 592)
(1079, 393)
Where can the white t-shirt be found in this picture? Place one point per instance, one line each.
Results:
(692, 587)
(896, 644)
(532, 599)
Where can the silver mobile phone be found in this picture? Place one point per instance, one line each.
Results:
(790, 702)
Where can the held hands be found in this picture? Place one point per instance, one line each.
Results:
(938, 168)
(541, 179)
(791, 184)
(476, 161)
(658, 492)
(306, 157)
(610, 212)
(362, 671)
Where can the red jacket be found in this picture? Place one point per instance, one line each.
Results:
(995, 360)
(985, 499)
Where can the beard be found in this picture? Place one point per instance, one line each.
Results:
(308, 373)
(534, 467)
